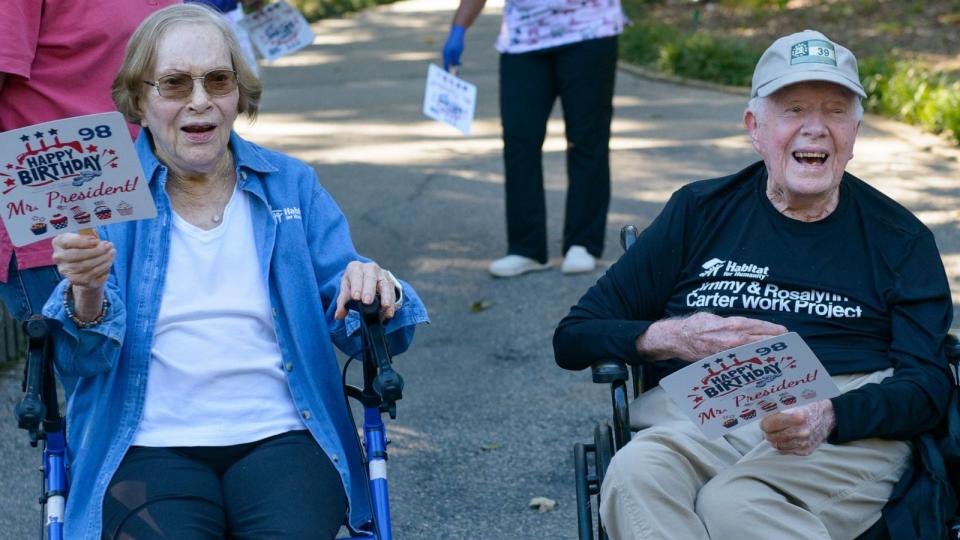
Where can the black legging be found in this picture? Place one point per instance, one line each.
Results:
(281, 487)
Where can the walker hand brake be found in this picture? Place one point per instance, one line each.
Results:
(30, 411)
(388, 384)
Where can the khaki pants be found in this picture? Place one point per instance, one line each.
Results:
(671, 482)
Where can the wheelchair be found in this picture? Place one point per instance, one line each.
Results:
(38, 412)
(592, 459)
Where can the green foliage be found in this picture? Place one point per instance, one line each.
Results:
(756, 5)
(703, 56)
(641, 43)
(697, 56)
(913, 94)
(901, 90)
(320, 9)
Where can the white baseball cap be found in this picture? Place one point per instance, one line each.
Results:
(805, 56)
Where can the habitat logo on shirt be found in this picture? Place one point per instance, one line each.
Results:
(718, 267)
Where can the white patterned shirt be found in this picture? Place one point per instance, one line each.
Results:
(531, 25)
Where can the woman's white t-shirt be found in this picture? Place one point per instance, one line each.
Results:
(216, 375)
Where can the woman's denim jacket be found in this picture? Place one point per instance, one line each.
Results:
(303, 243)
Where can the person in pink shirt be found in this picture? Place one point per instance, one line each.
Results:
(58, 59)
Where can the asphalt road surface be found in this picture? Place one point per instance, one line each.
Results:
(488, 421)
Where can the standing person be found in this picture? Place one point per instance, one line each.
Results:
(57, 60)
(794, 243)
(550, 48)
(205, 395)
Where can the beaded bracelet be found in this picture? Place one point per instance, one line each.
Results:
(68, 307)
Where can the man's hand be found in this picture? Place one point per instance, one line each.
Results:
(701, 335)
(802, 430)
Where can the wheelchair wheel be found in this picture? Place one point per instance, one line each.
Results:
(585, 487)
(603, 441)
(590, 464)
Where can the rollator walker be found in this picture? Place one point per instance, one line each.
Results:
(38, 412)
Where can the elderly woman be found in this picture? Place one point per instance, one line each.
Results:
(204, 398)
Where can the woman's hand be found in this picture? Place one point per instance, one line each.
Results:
(701, 335)
(85, 260)
(362, 281)
(801, 430)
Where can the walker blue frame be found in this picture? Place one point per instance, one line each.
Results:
(382, 388)
(38, 412)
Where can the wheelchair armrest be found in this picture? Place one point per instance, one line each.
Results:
(609, 371)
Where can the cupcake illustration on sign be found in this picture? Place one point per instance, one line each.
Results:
(124, 209)
(730, 421)
(809, 393)
(59, 221)
(768, 406)
(39, 226)
(102, 211)
(787, 399)
(748, 414)
(79, 215)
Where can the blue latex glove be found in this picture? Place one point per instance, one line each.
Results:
(453, 48)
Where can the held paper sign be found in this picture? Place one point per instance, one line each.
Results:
(449, 99)
(277, 29)
(68, 175)
(246, 47)
(742, 385)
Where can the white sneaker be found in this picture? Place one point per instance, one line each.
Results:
(515, 265)
(578, 261)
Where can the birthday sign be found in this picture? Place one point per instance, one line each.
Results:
(71, 174)
(277, 29)
(449, 99)
(739, 386)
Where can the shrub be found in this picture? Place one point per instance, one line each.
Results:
(702, 56)
(320, 9)
(902, 90)
(697, 56)
(641, 43)
(913, 94)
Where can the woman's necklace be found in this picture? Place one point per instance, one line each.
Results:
(219, 215)
(222, 203)
(206, 211)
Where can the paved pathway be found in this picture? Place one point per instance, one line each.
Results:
(488, 420)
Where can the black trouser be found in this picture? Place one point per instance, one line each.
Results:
(582, 74)
(280, 487)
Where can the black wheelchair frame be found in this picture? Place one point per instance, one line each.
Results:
(591, 459)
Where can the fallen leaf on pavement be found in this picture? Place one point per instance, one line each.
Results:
(480, 305)
(542, 504)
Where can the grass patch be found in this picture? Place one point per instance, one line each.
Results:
(315, 10)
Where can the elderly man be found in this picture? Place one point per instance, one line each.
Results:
(877, 314)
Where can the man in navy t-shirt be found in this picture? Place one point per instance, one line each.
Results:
(790, 243)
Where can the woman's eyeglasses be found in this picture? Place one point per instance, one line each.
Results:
(217, 82)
